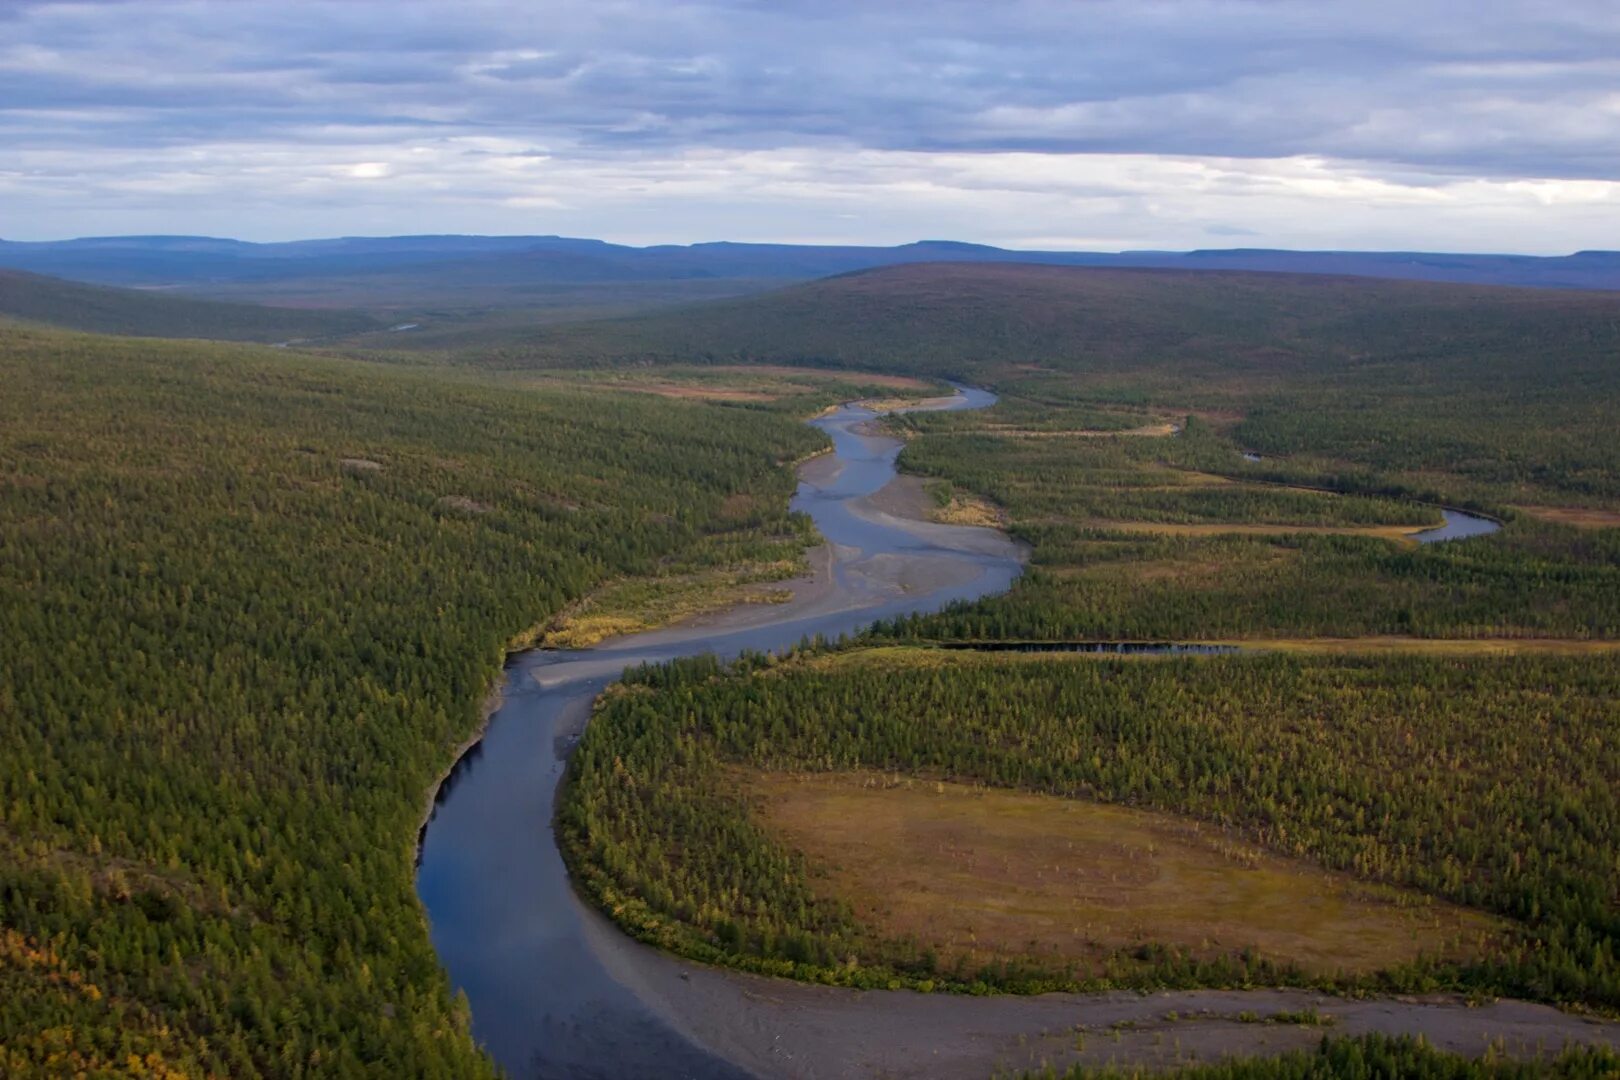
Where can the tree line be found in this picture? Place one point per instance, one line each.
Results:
(1488, 781)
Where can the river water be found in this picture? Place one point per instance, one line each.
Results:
(505, 919)
(1459, 525)
(555, 991)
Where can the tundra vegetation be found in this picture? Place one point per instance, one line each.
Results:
(251, 601)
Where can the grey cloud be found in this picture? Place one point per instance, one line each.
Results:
(111, 104)
(1394, 83)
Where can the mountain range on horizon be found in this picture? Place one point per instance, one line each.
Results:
(413, 265)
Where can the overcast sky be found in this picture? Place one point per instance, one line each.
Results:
(1086, 124)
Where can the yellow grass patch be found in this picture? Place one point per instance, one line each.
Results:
(1399, 533)
(966, 509)
(896, 382)
(1190, 478)
(632, 605)
(995, 874)
(895, 403)
(728, 382)
(1578, 516)
(702, 393)
(1152, 431)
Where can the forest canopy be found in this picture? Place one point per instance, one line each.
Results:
(250, 601)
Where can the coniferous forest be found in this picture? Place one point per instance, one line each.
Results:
(1488, 781)
(250, 602)
(701, 539)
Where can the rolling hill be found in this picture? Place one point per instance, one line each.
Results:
(71, 305)
(970, 320)
(1512, 388)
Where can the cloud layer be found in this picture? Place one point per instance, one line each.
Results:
(1089, 123)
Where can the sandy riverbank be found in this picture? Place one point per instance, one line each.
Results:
(777, 1028)
(797, 1031)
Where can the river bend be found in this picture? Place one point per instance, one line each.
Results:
(537, 967)
(557, 991)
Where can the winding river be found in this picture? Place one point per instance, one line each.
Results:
(557, 991)
(505, 919)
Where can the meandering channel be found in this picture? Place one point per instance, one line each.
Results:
(547, 987)
(557, 991)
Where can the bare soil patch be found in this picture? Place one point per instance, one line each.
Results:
(904, 497)
(994, 874)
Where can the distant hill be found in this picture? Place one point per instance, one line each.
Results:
(974, 320)
(512, 271)
(98, 309)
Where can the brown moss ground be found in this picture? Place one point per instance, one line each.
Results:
(994, 875)
(1578, 516)
(1398, 533)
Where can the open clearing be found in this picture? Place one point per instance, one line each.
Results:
(1151, 431)
(634, 605)
(865, 378)
(992, 874)
(1398, 533)
(733, 382)
(1580, 517)
(702, 393)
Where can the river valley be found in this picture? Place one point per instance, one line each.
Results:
(557, 991)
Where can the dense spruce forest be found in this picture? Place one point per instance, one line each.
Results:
(252, 599)
(250, 602)
(1490, 781)
(1341, 1057)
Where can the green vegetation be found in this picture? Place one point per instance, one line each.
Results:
(1365, 1057)
(1488, 781)
(714, 576)
(1079, 501)
(1482, 393)
(250, 601)
(1116, 452)
(75, 306)
(1388, 393)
